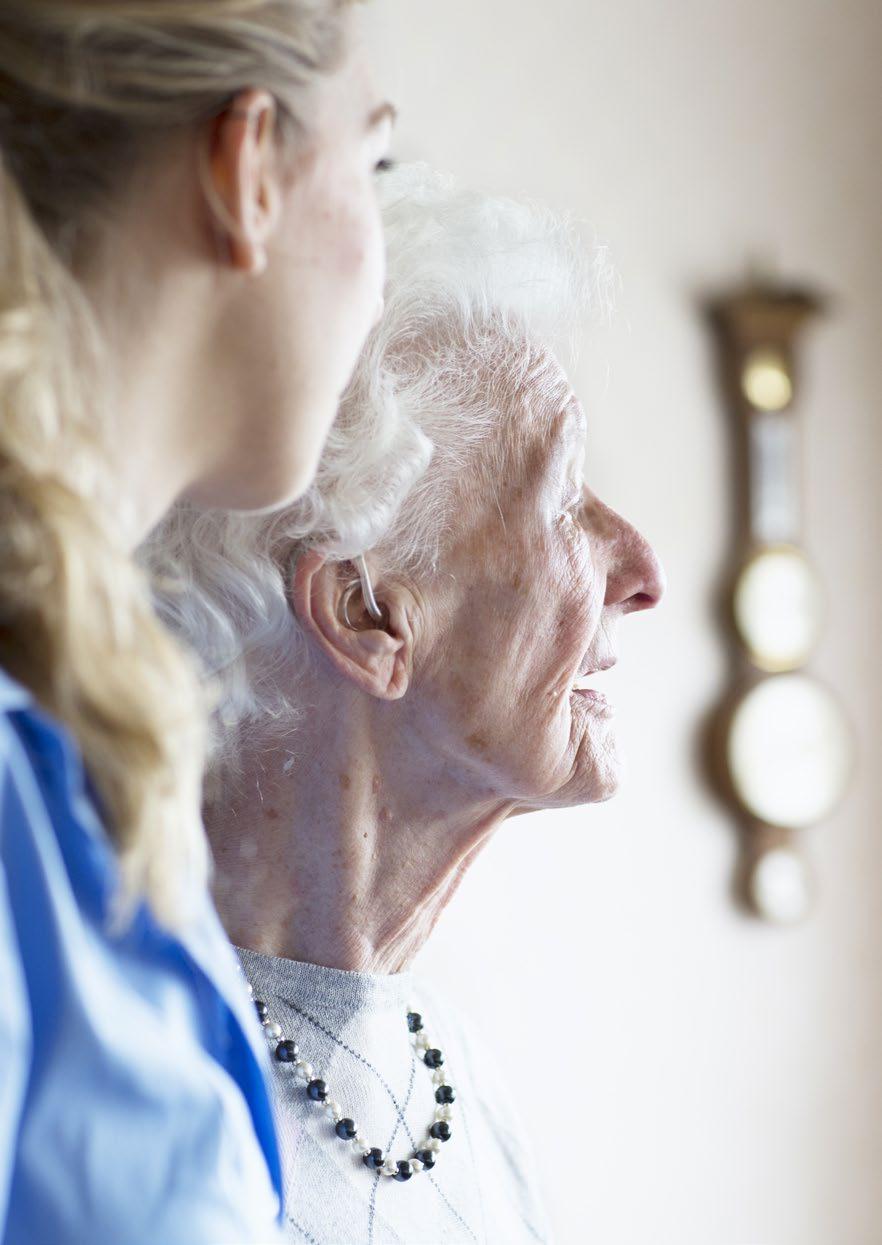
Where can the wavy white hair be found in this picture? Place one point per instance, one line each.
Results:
(472, 281)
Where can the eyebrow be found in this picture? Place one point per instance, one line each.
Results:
(578, 434)
(381, 113)
(577, 424)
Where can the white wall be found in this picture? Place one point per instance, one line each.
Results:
(721, 1082)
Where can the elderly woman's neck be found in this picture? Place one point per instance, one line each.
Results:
(346, 851)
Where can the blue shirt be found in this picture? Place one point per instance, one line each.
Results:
(134, 1102)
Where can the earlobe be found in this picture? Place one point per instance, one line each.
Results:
(329, 607)
(244, 193)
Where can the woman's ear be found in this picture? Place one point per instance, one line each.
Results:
(327, 600)
(243, 168)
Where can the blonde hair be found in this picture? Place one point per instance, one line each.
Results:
(86, 87)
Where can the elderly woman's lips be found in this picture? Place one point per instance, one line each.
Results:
(583, 683)
(593, 698)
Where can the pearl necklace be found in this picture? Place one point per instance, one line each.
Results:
(422, 1159)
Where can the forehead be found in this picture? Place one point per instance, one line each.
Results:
(349, 93)
(541, 414)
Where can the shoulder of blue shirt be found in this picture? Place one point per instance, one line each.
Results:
(206, 943)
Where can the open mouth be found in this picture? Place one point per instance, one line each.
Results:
(584, 687)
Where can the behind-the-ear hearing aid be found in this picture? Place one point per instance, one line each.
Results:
(367, 588)
(367, 592)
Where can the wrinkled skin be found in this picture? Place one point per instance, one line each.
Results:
(425, 734)
(542, 578)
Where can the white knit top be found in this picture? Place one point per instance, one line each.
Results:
(352, 1028)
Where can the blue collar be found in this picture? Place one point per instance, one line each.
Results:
(13, 695)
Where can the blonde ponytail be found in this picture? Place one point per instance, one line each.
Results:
(76, 622)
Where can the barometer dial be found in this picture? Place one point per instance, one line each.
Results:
(777, 608)
(788, 751)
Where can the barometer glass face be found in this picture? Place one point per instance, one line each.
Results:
(780, 887)
(765, 380)
(788, 751)
(778, 608)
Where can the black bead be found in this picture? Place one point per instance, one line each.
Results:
(414, 1022)
(346, 1129)
(405, 1171)
(444, 1093)
(441, 1130)
(262, 1010)
(317, 1090)
(374, 1159)
(426, 1157)
(287, 1051)
(433, 1058)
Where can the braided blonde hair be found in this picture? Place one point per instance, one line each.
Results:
(86, 86)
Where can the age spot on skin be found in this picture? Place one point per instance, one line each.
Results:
(458, 683)
(477, 741)
(345, 782)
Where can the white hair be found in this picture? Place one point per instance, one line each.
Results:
(471, 280)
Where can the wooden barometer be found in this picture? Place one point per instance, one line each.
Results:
(783, 749)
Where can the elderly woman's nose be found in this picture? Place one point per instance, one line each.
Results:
(635, 577)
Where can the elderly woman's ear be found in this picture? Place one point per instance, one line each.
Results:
(327, 600)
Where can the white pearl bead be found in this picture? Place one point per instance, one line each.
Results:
(361, 1143)
(273, 1031)
(433, 1143)
(304, 1070)
(249, 987)
(335, 1111)
(389, 1168)
(443, 1112)
(417, 1165)
(439, 1077)
(422, 1041)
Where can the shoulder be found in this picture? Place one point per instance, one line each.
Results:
(445, 1019)
(488, 1109)
(15, 700)
(31, 743)
(59, 866)
(46, 807)
(12, 694)
(20, 781)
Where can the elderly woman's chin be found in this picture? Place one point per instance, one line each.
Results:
(587, 769)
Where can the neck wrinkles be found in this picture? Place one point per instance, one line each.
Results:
(349, 858)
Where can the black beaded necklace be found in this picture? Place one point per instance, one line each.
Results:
(287, 1051)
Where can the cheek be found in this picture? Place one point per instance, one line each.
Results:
(567, 603)
(333, 225)
(353, 240)
(530, 626)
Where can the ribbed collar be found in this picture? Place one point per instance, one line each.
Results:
(337, 995)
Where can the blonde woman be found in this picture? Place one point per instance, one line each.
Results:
(190, 259)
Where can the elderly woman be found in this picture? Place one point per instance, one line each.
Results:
(407, 658)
